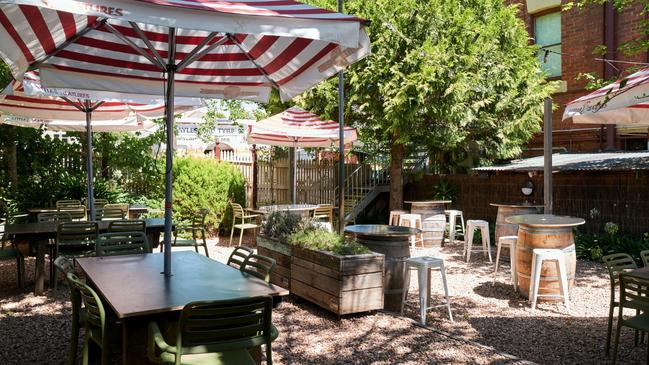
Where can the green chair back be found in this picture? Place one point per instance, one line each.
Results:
(68, 204)
(215, 326)
(122, 243)
(644, 255)
(67, 267)
(238, 256)
(95, 318)
(54, 217)
(198, 218)
(127, 225)
(110, 213)
(237, 210)
(617, 263)
(101, 202)
(76, 236)
(258, 266)
(75, 212)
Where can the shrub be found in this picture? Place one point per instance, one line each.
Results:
(281, 224)
(320, 239)
(595, 246)
(206, 183)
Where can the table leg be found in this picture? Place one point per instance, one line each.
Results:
(125, 328)
(40, 268)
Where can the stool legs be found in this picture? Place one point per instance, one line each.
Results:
(534, 285)
(563, 281)
(448, 300)
(424, 290)
(512, 264)
(424, 280)
(468, 242)
(497, 261)
(537, 264)
(486, 244)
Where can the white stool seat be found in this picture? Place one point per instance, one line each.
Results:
(549, 254)
(471, 226)
(508, 241)
(424, 264)
(453, 215)
(412, 221)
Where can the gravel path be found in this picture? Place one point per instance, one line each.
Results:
(490, 322)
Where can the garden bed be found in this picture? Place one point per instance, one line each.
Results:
(281, 253)
(341, 284)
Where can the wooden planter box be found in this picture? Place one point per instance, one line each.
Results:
(281, 252)
(341, 284)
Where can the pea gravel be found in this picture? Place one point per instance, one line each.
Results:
(492, 323)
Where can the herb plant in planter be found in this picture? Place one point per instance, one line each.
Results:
(273, 242)
(335, 273)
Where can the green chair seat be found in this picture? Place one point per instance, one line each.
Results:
(7, 253)
(239, 357)
(182, 242)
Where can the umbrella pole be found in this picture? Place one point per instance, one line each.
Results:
(341, 144)
(89, 168)
(547, 155)
(169, 115)
(293, 173)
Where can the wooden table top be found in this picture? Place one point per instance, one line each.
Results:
(545, 220)
(44, 228)
(641, 273)
(134, 286)
(428, 201)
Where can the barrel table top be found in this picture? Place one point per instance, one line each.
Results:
(517, 205)
(545, 220)
(428, 202)
(381, 230)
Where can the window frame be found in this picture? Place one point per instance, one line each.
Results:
(533, 18)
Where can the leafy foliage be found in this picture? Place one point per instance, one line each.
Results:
(206, 183)
(320, 239)
(281, 224)
(455, 76)
(445, 190)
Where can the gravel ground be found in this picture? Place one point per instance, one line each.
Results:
(490, 323)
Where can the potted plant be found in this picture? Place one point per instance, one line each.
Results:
(334, 272)
(272, 241)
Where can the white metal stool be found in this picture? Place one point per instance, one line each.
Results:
(549, 254)
(394, 216)
(471, 226)
(424, 264)
(507, 241)
(412, 221)
(453, 215)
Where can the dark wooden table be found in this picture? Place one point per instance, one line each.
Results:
(136, 290)
(37, 235)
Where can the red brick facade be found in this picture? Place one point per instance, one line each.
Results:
(582, 31)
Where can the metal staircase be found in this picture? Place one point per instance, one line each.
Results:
(367, 181)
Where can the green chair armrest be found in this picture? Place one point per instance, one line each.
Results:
(156, 340)
(274, 333)
(250, 216)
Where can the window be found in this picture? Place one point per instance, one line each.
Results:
(547, 34)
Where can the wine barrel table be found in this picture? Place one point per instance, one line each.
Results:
(508, 229)
(394, 243)
(544, 231)
(433, 220)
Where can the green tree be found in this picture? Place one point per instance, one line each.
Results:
(457, 77)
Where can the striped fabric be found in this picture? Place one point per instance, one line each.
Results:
(39, 107)
(296, 127)
(250, 46)
(612, 104)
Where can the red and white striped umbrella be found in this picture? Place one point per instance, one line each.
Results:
(296, 127)
(625, 101)
(223, 49)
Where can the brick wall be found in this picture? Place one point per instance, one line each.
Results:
(582, 31)
(620, 197)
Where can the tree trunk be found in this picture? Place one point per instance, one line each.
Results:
(12, 162)
(396, 174)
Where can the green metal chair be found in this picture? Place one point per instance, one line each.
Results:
(644, 255)
(122, 243)
(75, 239)
(127, 225)
(51, 247)
(634, 294)
(616, 264)
(197, 230)
(68, 203)
(238, 256)
(110, 213)
(216, 333)
(258, 266)
(76, 213)
(95, 320)
(239, 213)
(78, 314)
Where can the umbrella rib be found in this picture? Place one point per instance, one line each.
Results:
(78, 106)
(251, 59)
(139, 50)
(63, 45)
(196, 55)
(146, 41)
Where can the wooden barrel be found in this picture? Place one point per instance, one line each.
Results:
(530, 238)
(396, 251)
(433, 221)
(509, 229)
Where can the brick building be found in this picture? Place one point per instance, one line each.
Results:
(568, 39)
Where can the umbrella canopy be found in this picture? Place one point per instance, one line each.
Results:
(218, 49)
(296, 127)
(224, 49)
(625, 101)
